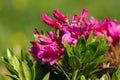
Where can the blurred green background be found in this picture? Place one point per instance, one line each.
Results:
(18, 18)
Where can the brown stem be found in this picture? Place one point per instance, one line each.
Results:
(115, 53)
(108, 76)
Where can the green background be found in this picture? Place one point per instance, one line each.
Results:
(19, 18)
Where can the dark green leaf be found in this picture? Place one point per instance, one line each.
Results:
(99, 71)
(80, 46)
(101, 50)
(86, 71)
(74, 62)
(90, 52)
(100, 60)
(116, 75)
(33, 72)
(40, 70)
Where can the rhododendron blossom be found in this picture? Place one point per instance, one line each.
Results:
(48, 50)
(51, 48)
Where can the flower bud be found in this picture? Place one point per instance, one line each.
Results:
(83, 15)
(50, 22)
(59, 16)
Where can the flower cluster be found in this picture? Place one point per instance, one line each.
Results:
(51, 48)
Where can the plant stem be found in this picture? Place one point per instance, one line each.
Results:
(63, 71)
(74, 74)
(115, 52)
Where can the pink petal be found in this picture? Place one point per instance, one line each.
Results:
(59, 16)
(49, 21)
(83, 16)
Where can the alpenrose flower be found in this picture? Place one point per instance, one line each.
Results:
(48, 50)
(51, 48)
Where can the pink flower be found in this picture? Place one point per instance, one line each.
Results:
(72, 31)
(50, 22)
(59, 16)
(107, 27)
(113, 32)
(47, 49)
(48, 53)
(83, 15)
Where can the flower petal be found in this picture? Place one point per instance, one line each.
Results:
(59, 16)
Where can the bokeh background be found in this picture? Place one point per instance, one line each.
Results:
(19, 18)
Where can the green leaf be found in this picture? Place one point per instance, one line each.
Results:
(90, 39)
(21, 73)
(26, 71)
(3, 59)
(22, 56)
(33, 72)
(36, 38)
(11, 69)
(80, 46)
(10, 54)
(82, 78)
(95, 49)
(100, 71)
(46, 77)
(9, 66)
(104, 77)
(15, 63)
(116, 75)
(69, 49)
(90, 52)
(101, 50)
(86, 71)
(100, 60)
(40, 70)
(8, 77)
(103, 46)
(74, 62)
(68, 52)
